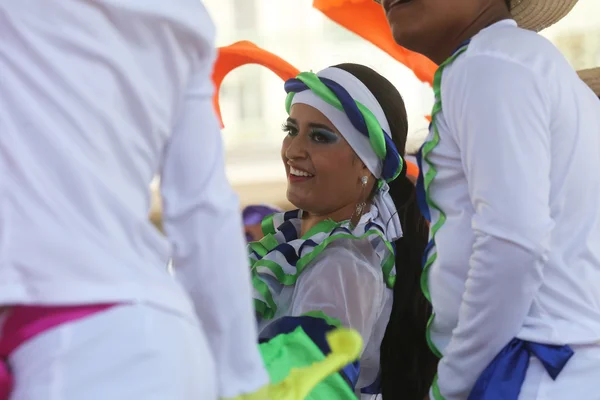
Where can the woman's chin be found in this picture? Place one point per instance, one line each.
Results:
(298, 200)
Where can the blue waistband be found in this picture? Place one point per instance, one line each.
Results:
(503, 378)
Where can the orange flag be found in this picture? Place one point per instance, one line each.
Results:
(243, 53)
(367, 19)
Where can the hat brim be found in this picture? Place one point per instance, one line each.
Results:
(592, 78)
(537, 15)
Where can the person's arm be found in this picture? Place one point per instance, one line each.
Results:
(202, 219)
(499, 112)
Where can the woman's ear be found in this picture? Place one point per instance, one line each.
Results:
(364, 171)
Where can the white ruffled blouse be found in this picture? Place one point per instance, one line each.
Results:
(347, 274)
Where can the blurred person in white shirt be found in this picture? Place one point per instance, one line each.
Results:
(96, 98)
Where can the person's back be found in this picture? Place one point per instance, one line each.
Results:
(96, 98)
(87, 111)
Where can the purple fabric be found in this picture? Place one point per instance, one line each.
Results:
(254, 214)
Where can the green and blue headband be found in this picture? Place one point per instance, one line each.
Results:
(355, 112)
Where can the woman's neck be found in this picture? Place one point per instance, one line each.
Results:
(310, 220)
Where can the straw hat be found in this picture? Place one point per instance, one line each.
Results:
(592, 78)
(536, 15)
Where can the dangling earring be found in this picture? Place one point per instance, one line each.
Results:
(360, 207)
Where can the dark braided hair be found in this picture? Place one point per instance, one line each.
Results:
(407, 364)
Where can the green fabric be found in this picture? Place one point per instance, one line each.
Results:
(297, 350)
(320, 314)
(267, 225)
(258, 248)
(324, 226)
(268, 242)
(427, 179)
(265, 310)
(435, 389)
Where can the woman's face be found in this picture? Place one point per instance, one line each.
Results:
(324, 174)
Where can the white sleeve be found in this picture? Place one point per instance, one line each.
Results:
(203, 222)
(344, 282)
(500, 114)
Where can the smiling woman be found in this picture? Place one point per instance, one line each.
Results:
(321, 166)
(350, 255)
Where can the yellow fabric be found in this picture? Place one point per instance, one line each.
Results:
(345, 347)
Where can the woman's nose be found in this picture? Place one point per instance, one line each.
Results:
(296, 148)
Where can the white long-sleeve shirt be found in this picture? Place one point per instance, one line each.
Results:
(517, 162)
(96, 98)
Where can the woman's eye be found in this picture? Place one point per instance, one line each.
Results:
(323, 137)
(319, 137)
(289, 129)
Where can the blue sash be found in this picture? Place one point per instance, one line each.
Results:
(503, 378)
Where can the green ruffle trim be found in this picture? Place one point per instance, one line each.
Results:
(267, 309)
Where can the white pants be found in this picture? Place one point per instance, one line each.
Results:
(577, 381)
(129, 352)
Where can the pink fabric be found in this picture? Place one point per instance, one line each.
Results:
(25, 322)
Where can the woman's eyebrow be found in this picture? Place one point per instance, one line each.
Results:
(321, 126)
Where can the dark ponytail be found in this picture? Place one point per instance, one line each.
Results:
(407, 364)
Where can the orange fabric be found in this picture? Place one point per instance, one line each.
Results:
(367, 19)
(243, 53)
(412, 170)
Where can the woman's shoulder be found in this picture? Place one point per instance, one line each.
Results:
(370, 251)
(330, 243)
(345, 261)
